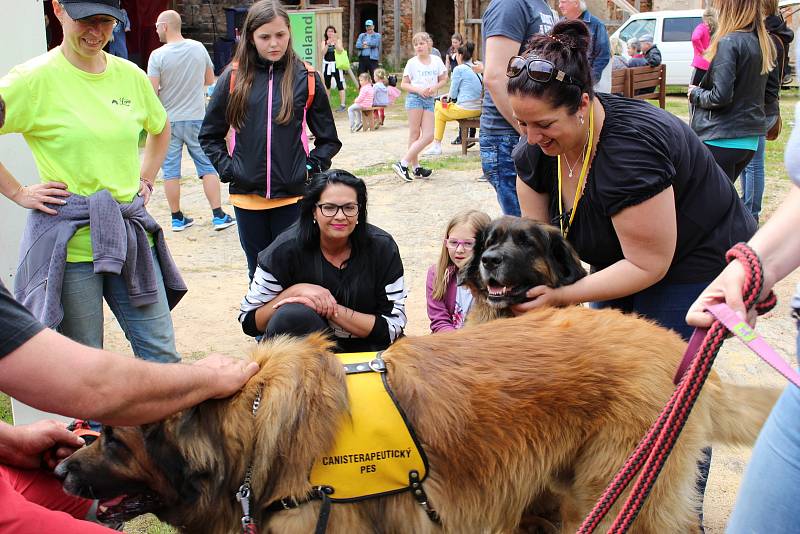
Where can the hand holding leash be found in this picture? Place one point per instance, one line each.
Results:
(26, 444)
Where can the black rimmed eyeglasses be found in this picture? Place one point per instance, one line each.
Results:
(538, 69)
(330, 210)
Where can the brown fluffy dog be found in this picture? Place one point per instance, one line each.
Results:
(550, 402)
(512, 255)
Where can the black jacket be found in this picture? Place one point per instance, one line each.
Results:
(729, 103)
(247, 169)
(653, 56)
(782, 37)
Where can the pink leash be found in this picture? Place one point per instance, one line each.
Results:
(749, 337)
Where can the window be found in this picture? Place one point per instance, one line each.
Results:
(679, 29)
(639, 27)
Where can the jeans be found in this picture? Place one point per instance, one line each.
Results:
(148, 328)
(414, 101)
(753, 180)
(259, 228)
(499, 169)
(770, 490)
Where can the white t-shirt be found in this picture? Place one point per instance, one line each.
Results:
(422, 75)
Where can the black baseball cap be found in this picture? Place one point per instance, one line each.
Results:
(80, 9)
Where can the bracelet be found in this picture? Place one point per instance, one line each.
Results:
(148, 184)
(20, 187)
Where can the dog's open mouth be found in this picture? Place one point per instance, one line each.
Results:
(497, 292)
(126, 507)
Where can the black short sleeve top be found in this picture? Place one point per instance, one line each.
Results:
(643, 150)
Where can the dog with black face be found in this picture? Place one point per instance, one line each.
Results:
(511, 256)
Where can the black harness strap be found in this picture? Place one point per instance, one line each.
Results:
(418, 491)
(317, 493)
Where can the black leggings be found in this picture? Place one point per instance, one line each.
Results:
(731, 160)
(295, 319)
(259, 228)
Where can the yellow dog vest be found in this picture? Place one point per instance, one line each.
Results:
(376, 452)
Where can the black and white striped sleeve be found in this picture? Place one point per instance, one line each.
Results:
(263, 288)
(391, 291)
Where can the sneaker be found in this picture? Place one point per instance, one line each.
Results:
(435, 150)
(179, 225)
(422, 172)
(402, 172)
(456, 141)
(220, 223)
(358, 128)
(340, 109)
(483, 178)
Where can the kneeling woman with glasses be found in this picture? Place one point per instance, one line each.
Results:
(331, 271)
(630, 185)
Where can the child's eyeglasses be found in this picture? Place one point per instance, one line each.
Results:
(453, 244)
(539, 70)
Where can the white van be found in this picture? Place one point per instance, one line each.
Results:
(672, 32)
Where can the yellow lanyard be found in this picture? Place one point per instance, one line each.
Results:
(581, 179)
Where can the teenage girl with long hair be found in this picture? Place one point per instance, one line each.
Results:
(265, 105)
(728, 114)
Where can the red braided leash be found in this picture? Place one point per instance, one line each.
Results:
(653, 450)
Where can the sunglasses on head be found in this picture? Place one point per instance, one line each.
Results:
(539, 70)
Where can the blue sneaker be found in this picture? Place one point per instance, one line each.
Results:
(179, 225)
(220, 223)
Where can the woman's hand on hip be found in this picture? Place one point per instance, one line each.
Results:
(145, 191)
(38, 196)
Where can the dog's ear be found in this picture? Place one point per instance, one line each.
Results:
(172, 463)
(566, 263)
(470, 275)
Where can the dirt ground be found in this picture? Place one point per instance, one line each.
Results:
(415, 213)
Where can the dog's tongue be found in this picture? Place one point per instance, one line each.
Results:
(111, 502)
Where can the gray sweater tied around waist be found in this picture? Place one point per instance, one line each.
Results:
(119, 244)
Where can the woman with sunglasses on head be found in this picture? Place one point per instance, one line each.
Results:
(81, 112)
(630, 185)
(331, 271)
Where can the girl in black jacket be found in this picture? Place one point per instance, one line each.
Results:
(265, 104)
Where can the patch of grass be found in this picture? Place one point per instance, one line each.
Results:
(148, 524)
(471, 161)
(5, 408)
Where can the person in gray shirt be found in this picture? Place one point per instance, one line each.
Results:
(180, 70)
(507, 26)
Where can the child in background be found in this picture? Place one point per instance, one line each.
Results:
(363, 100)
(448, 302)
(464, 100)
(381, 97)
(450, 60)
(423, 76)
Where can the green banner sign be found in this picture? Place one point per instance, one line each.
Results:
(304, 35)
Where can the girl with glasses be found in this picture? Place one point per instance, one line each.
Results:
(448, 302)
(630, 185)
(330, 272)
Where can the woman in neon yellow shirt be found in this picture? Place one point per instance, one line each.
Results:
(81, 112)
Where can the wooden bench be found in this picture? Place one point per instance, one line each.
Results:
(463, 130)
(643, 83)
(648, 83)
(370, 119)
